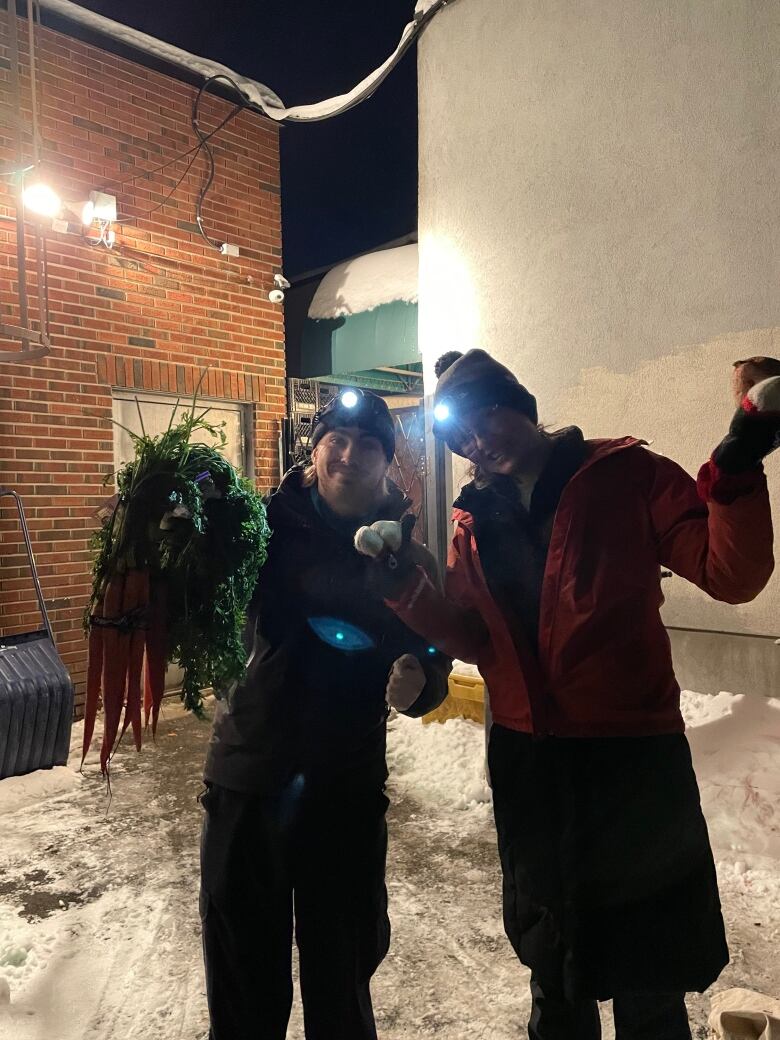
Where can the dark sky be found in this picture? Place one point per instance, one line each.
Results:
(349, 183)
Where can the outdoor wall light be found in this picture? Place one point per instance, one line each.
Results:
(40, 198)
(99, 206)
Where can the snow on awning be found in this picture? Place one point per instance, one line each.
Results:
(363, 315)
(367, 282)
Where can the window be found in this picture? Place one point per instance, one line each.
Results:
(156, 410)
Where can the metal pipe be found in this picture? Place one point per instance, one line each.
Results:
(722, 632)
(5, 491)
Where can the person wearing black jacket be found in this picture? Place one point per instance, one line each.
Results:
(294, 834)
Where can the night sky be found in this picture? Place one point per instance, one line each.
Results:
(350, 183)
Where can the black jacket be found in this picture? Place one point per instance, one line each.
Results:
(512, 540)
(307, 705)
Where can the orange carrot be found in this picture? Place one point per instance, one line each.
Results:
(136, 598)
(115, 646)
(156, 654)
(94, 675)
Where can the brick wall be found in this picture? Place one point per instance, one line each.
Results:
(152, 313)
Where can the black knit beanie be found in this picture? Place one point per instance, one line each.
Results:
(476, 380)
(359, 408)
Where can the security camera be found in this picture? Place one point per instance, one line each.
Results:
(281, 282)
(276, 296)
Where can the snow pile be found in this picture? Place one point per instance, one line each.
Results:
(441, 766)
(25, 792)
(20, 792)
(83, 973)
(735, 742)
(462, 668)
(367, 282)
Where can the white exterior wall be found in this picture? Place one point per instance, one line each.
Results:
(599, 209)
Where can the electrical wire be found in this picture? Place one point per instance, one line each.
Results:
(416, 29)
(204, 142)
(176, 158)
(418, 26)
(168, 197)
(193, 152)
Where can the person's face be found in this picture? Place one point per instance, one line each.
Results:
(350, 464)
(499, 440)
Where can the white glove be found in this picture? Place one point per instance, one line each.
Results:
(382, 536)
(406, 683)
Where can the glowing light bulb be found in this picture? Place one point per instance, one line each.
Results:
(349, 398)
(42, 199)
(441, 412)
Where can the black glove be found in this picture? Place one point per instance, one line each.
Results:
(754, 432)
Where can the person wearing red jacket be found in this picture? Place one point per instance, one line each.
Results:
(553, 589)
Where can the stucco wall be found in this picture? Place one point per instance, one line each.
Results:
(599, 208)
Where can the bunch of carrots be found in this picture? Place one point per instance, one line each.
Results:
(125, 655)
(176, 562)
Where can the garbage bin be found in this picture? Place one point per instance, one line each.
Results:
(36, 692)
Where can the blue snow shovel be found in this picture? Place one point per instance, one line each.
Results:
(36, 692)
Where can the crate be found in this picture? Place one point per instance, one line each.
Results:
(465, 700)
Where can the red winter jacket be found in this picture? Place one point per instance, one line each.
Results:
(604, 665)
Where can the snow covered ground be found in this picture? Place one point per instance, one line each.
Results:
(99, 931)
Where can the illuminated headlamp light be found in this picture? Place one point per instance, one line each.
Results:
(349, 399)
(442, 412)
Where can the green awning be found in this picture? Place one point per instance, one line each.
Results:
(380, 338)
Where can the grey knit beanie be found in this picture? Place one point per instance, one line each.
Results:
(475, 380)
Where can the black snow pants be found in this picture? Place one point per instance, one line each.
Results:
(308, 860)
(638, 1016)
(608, 877)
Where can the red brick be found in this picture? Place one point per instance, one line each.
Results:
(177, 293)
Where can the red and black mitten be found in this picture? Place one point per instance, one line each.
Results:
(755, 429)
(753, 434)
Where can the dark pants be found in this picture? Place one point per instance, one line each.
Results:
(638, 1016)
(315, 859)
(608, 879)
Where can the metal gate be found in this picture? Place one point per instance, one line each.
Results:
(409, 467)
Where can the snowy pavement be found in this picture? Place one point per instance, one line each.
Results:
(99, 930)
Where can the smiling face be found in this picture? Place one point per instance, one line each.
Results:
(351, 466)
(500, 440)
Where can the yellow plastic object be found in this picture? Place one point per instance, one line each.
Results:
(465, 700)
